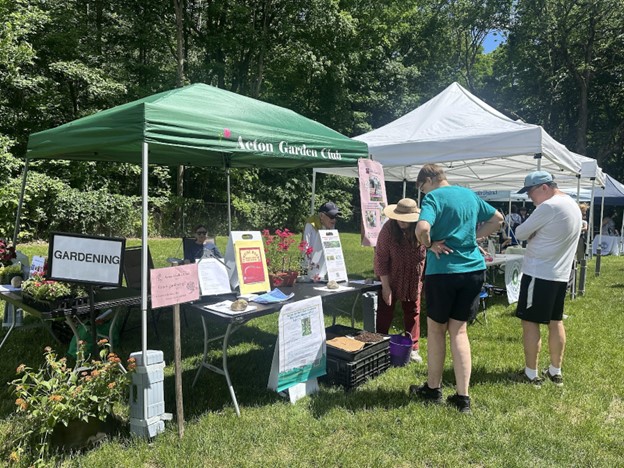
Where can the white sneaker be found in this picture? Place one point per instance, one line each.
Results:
(416, 357)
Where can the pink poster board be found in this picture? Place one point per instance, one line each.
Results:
(174, 285)
(372, 199)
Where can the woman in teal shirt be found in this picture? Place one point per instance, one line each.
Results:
(453, 276)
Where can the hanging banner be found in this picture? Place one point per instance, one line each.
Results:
(372, 199)
(513, 275)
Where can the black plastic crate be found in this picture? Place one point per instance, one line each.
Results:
(350, 374)
(367, 350)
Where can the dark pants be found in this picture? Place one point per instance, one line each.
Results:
(411, 318)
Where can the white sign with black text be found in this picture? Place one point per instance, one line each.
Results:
(84, 259)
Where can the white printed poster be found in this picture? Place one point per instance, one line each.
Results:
(334, 258)
(372, 199)
(213, 277)
(300, 348)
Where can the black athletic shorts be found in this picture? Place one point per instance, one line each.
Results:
(453, 296)
(540, 300)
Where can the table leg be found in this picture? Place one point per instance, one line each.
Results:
(72, 325)
(11, 313)
(225, 369)
(203, 361)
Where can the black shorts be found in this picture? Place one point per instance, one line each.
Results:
(453, 296)
(540, 300)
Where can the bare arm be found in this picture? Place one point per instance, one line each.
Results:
(490, 226)
(423, 234)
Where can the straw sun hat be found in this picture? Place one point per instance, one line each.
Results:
(405, 210)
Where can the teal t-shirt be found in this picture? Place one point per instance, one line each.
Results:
(453, 213)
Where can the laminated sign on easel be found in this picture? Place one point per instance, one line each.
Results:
(334, 258)
(253, 276)
(230, 254)
(300, 353)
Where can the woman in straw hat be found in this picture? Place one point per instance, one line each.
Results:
(399, 263)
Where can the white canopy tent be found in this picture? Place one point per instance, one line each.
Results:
(479, 147)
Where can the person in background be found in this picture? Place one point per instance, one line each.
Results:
(524, 213)
(325, 219)
(454, 276)
(513, 219)
(552, 233)
(400, 264)
(582, 245)
(193, 251)
(608, 225)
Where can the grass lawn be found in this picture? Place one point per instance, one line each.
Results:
(581, 424)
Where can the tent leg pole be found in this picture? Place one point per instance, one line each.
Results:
(599, 247)
(582, 277)
(590, 230)
(404, 187)
(229, 199)
(144, 271)
(313, 192)
(20, 203)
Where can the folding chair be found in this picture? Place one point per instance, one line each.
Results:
(193, 251)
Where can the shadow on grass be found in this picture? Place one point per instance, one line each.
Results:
(211, 393)
(363, 399)
(618, 285)
(481, 376)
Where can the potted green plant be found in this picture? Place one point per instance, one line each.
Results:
(58, 401)
(47, 294)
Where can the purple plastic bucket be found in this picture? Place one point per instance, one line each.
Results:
(400, 349)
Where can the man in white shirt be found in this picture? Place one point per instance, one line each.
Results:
(552, 232)
(325, 219)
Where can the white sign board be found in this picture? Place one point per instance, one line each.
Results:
(85, 259)
(334, 258)
(300, 352)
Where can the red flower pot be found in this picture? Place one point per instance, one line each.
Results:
(283, 279)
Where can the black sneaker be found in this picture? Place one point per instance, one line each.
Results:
(521, 377)
(556, 379)
(430, 395)
(461, 402)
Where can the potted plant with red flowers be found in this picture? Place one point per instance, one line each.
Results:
(285, 256)
(8, 268)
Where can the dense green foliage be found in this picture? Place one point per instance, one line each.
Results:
(353, 65)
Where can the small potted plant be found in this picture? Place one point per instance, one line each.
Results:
(284, 261)
(60, 407)
(47, 294)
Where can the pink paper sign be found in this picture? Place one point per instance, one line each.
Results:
(174, 285)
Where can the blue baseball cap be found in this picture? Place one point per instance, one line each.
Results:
(330, 208)
(536, 178)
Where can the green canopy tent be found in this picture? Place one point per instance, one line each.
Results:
(197, 125)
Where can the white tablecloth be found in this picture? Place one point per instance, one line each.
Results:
(610, 245)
